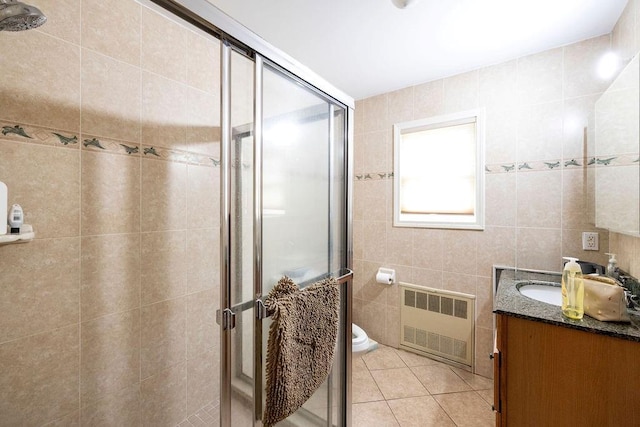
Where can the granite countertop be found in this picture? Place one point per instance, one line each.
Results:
(509, 301)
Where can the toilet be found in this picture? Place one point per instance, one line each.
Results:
(360, 342)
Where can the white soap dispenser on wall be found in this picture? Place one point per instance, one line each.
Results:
(4, 195)
(15, 219)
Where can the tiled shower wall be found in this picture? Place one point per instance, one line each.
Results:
(109, 115)
(539, 194)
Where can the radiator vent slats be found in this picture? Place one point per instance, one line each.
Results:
(436, 304)
(446, 306)
(438, 322)
(421, 300)
(409, 298)
(461, 309)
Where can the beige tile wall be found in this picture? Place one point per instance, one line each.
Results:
(626, 37)
(537, 108)
(107, 318)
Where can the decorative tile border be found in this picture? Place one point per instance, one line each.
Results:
(57, 138)
(531, 166)
(373, 176)
(615, 160)
(39, 135)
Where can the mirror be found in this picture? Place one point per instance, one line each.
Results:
(616, 161)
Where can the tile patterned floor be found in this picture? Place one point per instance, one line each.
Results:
(397, 388)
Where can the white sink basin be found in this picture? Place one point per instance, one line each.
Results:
(545, 293)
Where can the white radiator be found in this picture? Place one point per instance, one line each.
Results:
(438, 323)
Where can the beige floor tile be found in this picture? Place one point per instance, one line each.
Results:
(486, 395)
(421, 411)
(477, 382)
(364, 388)
(357, 364)
(439, 379)
(413, 359)
(398, 383)
(373, 414)
(207, 418)
(383, 358)
(467, 409)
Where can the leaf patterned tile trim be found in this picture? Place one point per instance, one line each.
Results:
(64, 139)
(38, 135)
(17, 130)
(531, 166)
(373, 176)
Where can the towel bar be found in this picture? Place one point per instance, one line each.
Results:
(342, 276)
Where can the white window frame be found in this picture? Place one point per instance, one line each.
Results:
(476, 222)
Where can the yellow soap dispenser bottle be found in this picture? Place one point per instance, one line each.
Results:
(572, 290)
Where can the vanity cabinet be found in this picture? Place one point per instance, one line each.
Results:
(550, 375)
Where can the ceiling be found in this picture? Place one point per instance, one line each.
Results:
(368, 47)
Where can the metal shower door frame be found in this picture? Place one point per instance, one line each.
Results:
(344, 275)
(205, 16)
(228, 310)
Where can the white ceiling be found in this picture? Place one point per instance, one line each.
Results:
(368, 47)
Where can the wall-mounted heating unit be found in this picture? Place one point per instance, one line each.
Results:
(438, 323)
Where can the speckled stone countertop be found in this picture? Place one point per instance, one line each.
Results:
(511, 302)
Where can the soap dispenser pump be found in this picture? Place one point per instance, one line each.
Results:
(572, 290)
(612, 267)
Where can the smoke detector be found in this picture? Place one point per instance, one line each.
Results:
(403, 4)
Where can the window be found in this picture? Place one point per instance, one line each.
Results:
(439, 172)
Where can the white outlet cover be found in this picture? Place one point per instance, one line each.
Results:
(590, 241)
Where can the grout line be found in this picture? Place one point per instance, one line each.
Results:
(80, 157)
(140, 164)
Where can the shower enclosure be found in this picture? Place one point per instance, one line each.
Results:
(284, 210)
(172, 165)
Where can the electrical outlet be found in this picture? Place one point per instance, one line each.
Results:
(590, 241)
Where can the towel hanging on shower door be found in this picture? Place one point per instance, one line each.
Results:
(301, 345)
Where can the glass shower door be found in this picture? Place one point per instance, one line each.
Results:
(285, 215)
(302, 202)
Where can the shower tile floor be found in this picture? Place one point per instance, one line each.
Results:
(397, 388)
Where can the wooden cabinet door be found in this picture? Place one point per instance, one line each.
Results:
(552, 376)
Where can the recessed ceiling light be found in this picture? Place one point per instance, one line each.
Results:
(608, 65)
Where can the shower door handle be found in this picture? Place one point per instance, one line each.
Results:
(226, 318)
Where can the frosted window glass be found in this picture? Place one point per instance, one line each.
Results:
(439, 171)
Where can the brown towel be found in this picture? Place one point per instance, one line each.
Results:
(301, 346)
